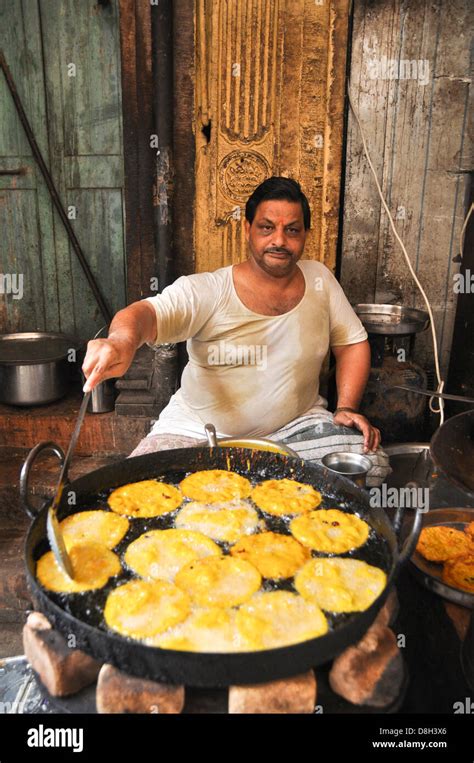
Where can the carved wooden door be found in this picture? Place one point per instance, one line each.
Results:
(268, 101)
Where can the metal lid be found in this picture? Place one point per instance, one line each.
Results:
(33, 347)
(392, 319)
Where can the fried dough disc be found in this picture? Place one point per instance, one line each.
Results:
(100, 526)
(459, 572)
(279, 618)
(219, 581)
(340, 585)
(92, 563)
(214, 485)
(285, 496)
(148, 498)
(162, 553)
(330, 530)
(439, 543)
(469, 529)
(224, 521)
(205, 630)
(274, 555)
(143, 608)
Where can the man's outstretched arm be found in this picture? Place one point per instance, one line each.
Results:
(111, 357)
(352, 372)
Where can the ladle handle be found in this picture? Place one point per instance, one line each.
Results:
(211, 435)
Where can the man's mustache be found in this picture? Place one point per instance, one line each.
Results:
(277, 251)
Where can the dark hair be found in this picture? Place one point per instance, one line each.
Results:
(278, 188)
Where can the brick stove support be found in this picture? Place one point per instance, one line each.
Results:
(289, 695)
(372, 671)
(62, 670)
(119, 692)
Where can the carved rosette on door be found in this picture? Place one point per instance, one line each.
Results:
(268, 100)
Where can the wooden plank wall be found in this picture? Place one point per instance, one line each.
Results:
(420, 141)
(77, 123)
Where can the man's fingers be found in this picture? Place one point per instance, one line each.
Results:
(371, 434)
(99, 374)
(98, 352)
(377, 438)
(374, 439)
(94, 378)
(102, 361)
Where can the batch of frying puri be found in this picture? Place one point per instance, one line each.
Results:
(454, 550)
(204, 582)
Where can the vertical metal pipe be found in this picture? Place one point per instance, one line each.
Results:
(165, 363)
(162, 68)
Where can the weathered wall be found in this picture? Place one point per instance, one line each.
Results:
(419, 138)
(64, 56)
(269, 93)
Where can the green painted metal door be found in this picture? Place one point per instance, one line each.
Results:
(64, 56)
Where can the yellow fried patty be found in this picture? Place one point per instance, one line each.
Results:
(459, 572)
(148, 498)
(219, 581)
(330, 530)
(274, 555)
(205, 630)
(469, 529)
(224, 520)
(92, 563)
(100, 526)
(439, 543)
(340, 585)
(143, 608)
(214, 485)
(162, 553)
(279, 618)
(285, 496)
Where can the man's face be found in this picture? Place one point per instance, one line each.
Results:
(276, 236)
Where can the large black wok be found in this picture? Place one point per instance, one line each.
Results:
(81, 614)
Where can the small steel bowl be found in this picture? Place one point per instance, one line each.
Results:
(351, 465)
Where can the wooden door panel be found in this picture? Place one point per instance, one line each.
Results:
(26, 240)
(22, 309)
(85, 36)
(86, 145)
(77, 124)
(99, 226)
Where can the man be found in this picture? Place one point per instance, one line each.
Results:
(257, 334)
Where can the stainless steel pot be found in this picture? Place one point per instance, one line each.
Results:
(34, 367)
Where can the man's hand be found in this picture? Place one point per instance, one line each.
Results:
(106, 358)
(371, 434)
(111, 357)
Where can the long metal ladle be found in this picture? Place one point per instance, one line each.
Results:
(55, 537)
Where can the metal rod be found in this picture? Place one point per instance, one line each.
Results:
(162, 63)
(53, 191)
(430, 393)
